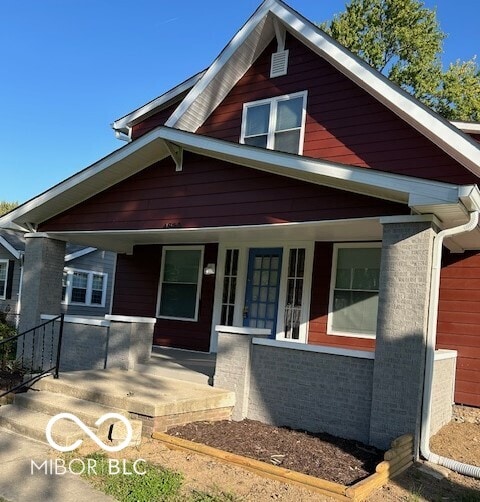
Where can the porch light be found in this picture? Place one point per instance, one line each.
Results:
(209, 269)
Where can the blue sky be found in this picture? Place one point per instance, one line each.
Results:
(69, 68)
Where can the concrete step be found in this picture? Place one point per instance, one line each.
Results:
(156, 368)
(33, 424)
(137, 392)
(51, 403)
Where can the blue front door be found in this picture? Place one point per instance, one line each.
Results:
(261, 296)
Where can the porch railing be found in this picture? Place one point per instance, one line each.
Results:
(27, 356)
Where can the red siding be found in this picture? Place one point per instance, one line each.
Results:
(153, 121)
(344, 123)
(459, 321)
(136, 290)
(210, 193)
(317, 335)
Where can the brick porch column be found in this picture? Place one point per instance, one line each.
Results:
(42, 279)
(405, 276)
(233, 369)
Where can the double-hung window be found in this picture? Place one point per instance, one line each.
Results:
(354, 289)
(84, 287)
(3, 278)
(276, 124)
(180, 282)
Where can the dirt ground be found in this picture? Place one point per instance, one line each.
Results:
(460, 440)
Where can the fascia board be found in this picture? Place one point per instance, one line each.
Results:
(467, 127)
(80, 253)
(128, 120)
(14, 252)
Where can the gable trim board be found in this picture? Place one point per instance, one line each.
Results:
(125, 124)
(78, 254)
(14, 252)
(247, 44)
(445, 200)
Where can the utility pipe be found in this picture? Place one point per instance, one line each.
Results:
(466, 469)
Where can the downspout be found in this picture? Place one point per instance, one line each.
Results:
(465, 469)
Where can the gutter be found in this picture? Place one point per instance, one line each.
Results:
(465, 469)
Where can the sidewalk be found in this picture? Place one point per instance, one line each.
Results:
(18, 484)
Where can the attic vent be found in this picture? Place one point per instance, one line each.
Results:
(279, 64)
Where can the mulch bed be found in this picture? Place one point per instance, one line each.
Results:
(321, 455)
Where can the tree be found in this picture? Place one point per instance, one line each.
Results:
(403, 40)
(5, 206)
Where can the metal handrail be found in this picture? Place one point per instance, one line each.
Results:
(44, 358)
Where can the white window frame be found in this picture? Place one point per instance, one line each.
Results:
(199, 281)
(88, 295)
(3, 295)
(333, 277)
(273, 118)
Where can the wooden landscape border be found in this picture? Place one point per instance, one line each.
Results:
(396, 460)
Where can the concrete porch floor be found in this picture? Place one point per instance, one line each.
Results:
(189, 365)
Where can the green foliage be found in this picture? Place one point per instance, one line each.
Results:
(156, 485)
(6, 207)
(8, 350)
(403, 40)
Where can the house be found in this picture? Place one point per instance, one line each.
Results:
(87, 278)
(295, 211)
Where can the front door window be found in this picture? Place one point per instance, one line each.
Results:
(263, 280)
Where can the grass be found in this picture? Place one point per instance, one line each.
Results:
(157, 484)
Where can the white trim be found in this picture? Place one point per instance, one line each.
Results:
(130, 319)
(333, 276)
(3, 296)
(89, 321)
(319, 349)
(14, 252)
(442, 354)
(235, 330)
(411, 218)
(78, 254)
(272, 120)
(467, 127)
(199, 281)
(125, 123)
(88, 290)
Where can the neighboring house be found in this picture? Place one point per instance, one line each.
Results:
(87, 278)
(288, 190)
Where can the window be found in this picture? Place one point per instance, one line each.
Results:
(229, 287)
(180, 283)
(3, 278)
(293, 304)
(354, 290)
(83, 287)
(276, 124)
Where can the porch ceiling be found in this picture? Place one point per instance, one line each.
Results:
(122, 241)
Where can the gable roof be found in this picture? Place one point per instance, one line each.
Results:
(258, 32)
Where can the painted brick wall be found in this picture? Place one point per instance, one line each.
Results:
(312, 391)
(442, 393)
